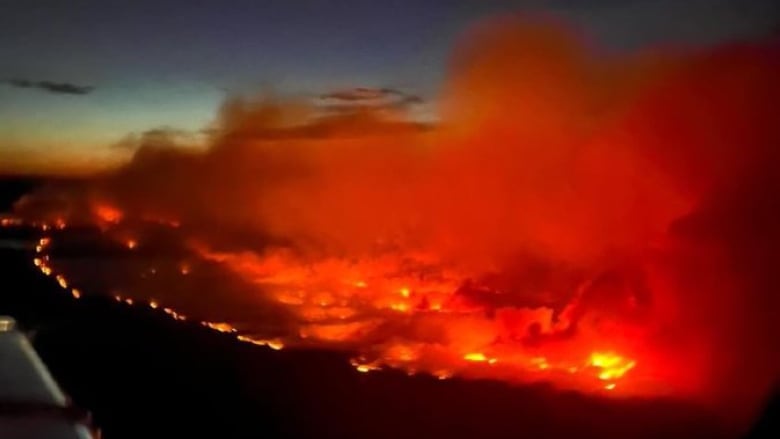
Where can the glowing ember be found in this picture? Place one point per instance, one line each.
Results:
(6, 221)
(75, 293)
(61, 280)
(131, 244)
(220, 326)
(274, 344)
(540, 362)
(108, 214)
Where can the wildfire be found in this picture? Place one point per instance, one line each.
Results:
(338, 302)
(602, 235)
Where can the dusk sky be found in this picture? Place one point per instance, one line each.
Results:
(78, 76)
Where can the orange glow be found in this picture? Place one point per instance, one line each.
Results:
(475, 356)
(610, 366)
(7, 221)
(399, 306)
(220, 326)
(61, 280)
(541, 363)
(108, 214)
(275, 344)
(131, 244)
(334, 308)
(75, 293)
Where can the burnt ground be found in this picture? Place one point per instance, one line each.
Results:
(142, 374)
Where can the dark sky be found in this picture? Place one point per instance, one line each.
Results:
(76, 76)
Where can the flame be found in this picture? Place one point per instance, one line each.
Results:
(61, 280)
(349, 302)
(611, 366)
(475, 356)
(10, 221)
(275, 344)
(220, 326)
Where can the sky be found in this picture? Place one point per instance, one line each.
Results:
(77, 77)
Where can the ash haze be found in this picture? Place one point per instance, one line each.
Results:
(76, 78)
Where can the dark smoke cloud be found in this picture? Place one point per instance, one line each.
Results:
(51, 87)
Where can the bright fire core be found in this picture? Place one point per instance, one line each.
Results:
(423, 320)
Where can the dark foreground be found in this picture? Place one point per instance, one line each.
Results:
(144, 375)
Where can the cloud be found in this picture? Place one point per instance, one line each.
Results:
(160, 137)
(369, 97)
(51, 87)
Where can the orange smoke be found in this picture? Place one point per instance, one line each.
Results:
(590, 221)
